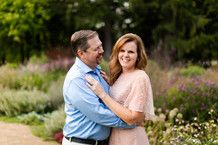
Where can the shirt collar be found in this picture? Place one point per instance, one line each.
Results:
(86, 68)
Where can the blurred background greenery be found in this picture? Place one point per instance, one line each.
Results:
(181, 39)
(172, 30)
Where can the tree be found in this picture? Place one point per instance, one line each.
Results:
(105, 16)
(22, 28)
(186, 29)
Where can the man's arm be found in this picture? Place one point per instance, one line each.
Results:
(90, 105)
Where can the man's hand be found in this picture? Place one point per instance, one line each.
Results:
(95, 86)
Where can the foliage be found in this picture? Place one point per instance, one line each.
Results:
(192, 71)
(184, 30)
(167, 127)
(17, 78)
(8, 76)
(59, 136)
(39, 130)
(170, 128)
(9, 119)
(55, 94)
(51, 128)
(194, 97)
(55, 122)
(14, 102)
(187, 30)
(58, 65)
(211, 74)
(104, 66)
(22, 28)
(30, 81)
(41, 59)
(110, 18)
(31, 76)
(159, 79)
(31, 118)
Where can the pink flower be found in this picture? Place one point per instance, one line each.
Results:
(58, 136)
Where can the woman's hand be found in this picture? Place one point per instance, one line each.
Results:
(95, 86)
(105, 77)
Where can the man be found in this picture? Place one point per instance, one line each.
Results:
(88, 120)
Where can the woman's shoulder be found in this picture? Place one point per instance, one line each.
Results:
(139, 72)
(141, 75)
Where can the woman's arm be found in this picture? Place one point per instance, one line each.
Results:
(129, 116)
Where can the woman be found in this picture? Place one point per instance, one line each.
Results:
(131, 94)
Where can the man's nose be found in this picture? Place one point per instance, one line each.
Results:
(101, 50)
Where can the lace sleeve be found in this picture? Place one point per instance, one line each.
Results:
(142, 96)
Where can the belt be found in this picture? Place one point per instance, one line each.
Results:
(87, 141)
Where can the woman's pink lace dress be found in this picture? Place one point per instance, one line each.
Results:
(133, 91)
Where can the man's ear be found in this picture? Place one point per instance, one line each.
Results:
(80, 53)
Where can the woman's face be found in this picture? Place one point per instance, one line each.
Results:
(127, 56)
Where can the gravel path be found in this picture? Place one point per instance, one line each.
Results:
(18, 134)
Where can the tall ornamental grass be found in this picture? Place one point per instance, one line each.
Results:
(8, 76)
(14, 102)
(29, 77)
(159, 79)
(55, 122)
(55, 93)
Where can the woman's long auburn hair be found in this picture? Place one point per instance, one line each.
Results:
(114, 65)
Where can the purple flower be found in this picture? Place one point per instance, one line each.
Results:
(182, 87)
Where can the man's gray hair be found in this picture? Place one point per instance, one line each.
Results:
(79, 40)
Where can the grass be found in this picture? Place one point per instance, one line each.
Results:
(9, 119)
(39, 130)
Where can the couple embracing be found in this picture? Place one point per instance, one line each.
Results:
(101, 109)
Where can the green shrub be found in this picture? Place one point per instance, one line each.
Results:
(55, 94)
(14, 102)
(55, 122)
(8, 76)
(41, 59)
(191, 71)
(193, 98)
(28, 77)
(31, 81)
(31, 118)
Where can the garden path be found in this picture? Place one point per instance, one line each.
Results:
(18, 134)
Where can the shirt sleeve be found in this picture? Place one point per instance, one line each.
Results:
(141, 96)
(82, 98)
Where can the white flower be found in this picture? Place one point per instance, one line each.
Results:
(173, 113)
(162, 117)
(179, 116)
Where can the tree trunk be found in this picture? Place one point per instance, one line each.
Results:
(107, 40)
(3, 57)
(22, 55)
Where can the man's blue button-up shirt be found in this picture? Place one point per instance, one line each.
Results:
(87, 116)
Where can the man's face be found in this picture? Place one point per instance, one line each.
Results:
(94, 54)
